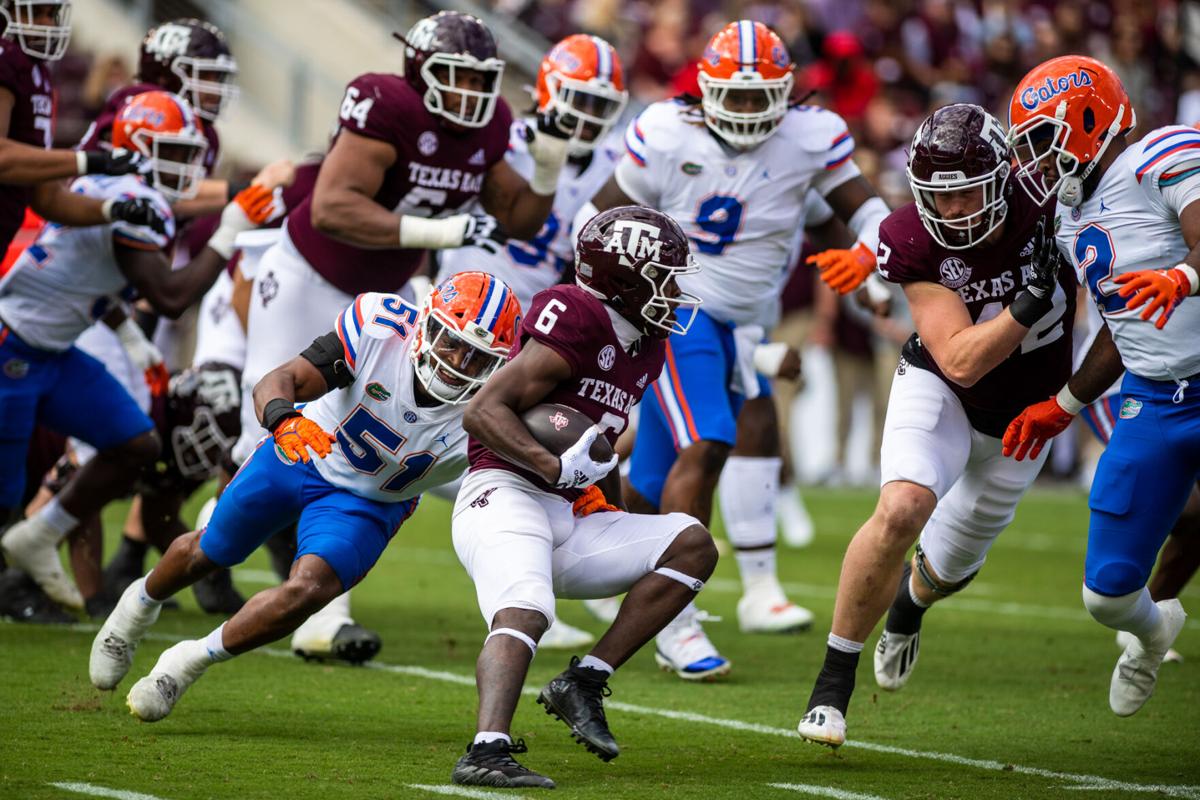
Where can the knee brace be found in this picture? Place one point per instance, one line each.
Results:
(695, 584)
(516, 634)
(934, 585)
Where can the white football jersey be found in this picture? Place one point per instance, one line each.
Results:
(742, 210)
(389, 448)
(1130, 223)
(529, 267)
(220, 336)
(69, 277)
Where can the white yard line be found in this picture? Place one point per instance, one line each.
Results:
(463, 791)
(103, 791)
(1078, 781)
(824, 791)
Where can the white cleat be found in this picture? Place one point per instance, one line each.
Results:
(795, 523)
(823, 725)
(1173, 656)
(114, 645)
(765, 609)
(604, 608)
(561, 636)
(1136, 673)
(683, 648)
(153, 697)
(895, 659)
(32, 546)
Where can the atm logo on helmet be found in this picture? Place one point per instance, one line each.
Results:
(640, 240)
(1034, 96)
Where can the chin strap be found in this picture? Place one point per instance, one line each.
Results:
(1070, 193)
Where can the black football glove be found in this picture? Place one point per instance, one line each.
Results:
(484, 232)
(549, 124)
(1047, 260)
(115, 162)
(138, 211)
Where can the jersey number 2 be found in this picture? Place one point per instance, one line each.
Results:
(361, 436)
(1095, 255)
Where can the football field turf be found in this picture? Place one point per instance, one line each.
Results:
(1009, 699)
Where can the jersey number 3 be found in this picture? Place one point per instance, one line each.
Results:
(361, 436)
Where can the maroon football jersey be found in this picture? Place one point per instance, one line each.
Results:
(100, 131)
(988, 278)
(437, 172)
(606, 381)
(31, 122)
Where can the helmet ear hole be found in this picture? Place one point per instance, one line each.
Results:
(1089, 120)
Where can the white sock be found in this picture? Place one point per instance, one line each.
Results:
(1134, 612)
(144, 596)
(757, 566)
(748, 491)
(57, 518)
(845, 645)
(491, 736)
(214, 643)
(592, 662)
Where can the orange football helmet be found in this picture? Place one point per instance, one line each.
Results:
(745, 83)
(581, 81)
(1062, 117)
(464, 332)
(162, 127)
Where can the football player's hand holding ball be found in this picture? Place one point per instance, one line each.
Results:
(577, 468)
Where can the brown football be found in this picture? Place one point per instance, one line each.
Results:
(557, 427)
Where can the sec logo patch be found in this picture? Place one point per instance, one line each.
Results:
(427, 143)
(607, 357)
(955, 272)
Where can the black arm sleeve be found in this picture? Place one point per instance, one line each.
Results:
(326, 354)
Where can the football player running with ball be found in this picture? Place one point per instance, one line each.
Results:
(734, 170)
(531, 524)
(1129, 221)
(386, 389)
(980, 269)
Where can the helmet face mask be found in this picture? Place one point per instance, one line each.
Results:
(449, 95)
(207, 83)
(38, 40)
(451, 366)
(746, 78)
(177, 161)
(203, 410)
(200, 447)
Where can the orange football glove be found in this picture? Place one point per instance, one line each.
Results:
(1159, 289)
(157, 378)
(1033, 427)
(844, 270)
(260, 203)
(295, 435)
(591, 501)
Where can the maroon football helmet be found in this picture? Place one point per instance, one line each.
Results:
(629, 257)
(190, 57)
(436, 50)
(203, 417)
(958, 148)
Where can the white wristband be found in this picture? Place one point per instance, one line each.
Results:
(80, 162)
(106, 210)
(1069, 402)
(1190, 273)
(421, 233)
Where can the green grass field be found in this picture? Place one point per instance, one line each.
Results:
(1009, 700)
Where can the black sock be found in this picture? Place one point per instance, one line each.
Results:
(904, 616)
(131, 553)
(835, 684)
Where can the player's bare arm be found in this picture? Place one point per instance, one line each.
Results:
(493, 418)
(507, 197)
(214, 193)
(299, 380)
(169, 291)
(343, 204)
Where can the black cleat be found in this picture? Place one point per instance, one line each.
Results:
(352, 643)
(576, 697)
(492, 764)
(215, 594)
(22, 600)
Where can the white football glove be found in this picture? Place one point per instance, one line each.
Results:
(141, 351)
(548, 145)
(577, 468)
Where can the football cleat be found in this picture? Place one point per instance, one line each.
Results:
(795, 523)
(118, 638)
(765, 609)
(351, 643)
(576, 697)
(895, 659)
(1173, 656)
(1136, 673)
(823, 725)
(154, 696)
(32, 546)
(561, 636)
(683, 648)
(22, 600)
(604, 609)
(215, 594)
(492, 764)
